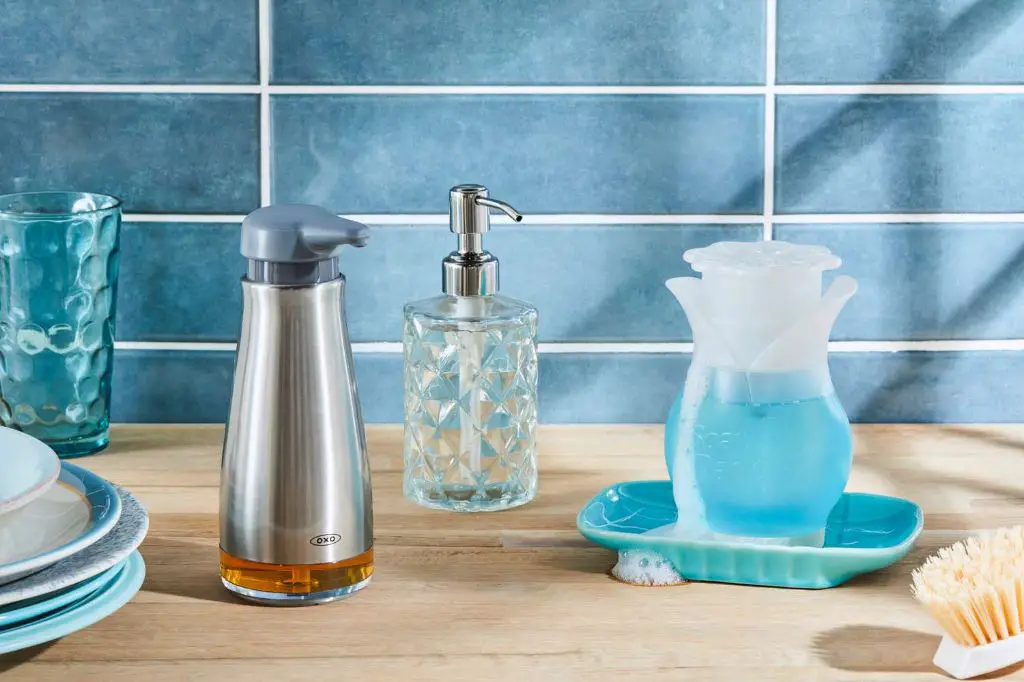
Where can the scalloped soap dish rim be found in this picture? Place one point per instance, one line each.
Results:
(827, 573)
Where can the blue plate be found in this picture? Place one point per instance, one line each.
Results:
(864, 533)
(123, 539)
(80, 614)
(22, 611)
(77, 511)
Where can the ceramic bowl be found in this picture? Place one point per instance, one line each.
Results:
(29, 468)
(70, 516)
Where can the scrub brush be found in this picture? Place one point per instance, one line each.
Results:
(975, 590)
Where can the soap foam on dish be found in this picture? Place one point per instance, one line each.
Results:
(644, 567)
(649, 568)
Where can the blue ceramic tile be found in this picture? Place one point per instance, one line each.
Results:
(159, 153)
(574, 154)
(873, 387)
(179, 282)
(168, 387)
(979, 387)
(180, 386)
(195, 387)
(112, 41)
(609, 388)
(889, 41)
(171, 387)
(519, 42)
(926, 281)
(880, 154)
(590, 283)
(379, 377)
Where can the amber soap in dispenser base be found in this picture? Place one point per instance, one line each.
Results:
(312, 583)
(296, 520)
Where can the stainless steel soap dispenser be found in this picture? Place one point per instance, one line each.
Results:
(296, 523)
(470, 378)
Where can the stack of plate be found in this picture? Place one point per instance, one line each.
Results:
(68, 545)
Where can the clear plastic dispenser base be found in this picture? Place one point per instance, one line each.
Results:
(470, 379)
(281, 585)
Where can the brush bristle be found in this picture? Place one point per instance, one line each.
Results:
(975, 589)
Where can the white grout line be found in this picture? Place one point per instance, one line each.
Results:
(442, 219)
(132, 88)
(769, 119)
(182, 218)
(265, 55)
(841, 218)
(1009, 345)
(252, 89)
(899, 89)
(516, 89)
(616, 219)
(377, 347)
(562, 348)
(566, 219)
(174, 345)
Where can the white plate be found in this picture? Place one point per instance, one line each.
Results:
(71, 515)
(115, 547)
(29, 468)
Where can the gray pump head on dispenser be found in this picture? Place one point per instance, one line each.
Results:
(295, 419)
(469, 270)
(297, 244)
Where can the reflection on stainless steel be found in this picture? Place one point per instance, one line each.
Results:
(295, 466)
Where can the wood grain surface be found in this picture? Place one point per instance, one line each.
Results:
(519, 595)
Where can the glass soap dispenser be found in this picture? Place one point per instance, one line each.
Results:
(470, 378)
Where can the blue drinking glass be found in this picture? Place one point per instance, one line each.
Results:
(58, 293)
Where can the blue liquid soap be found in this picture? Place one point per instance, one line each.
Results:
(766, 469)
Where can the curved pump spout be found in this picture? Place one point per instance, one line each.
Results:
(689, 291)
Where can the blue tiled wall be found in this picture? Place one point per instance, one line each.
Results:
(567, 154)
(629, 131)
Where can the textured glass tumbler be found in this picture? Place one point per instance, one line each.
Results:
(58, 290)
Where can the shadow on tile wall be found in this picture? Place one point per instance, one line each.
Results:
(875, 157)
(926, 52)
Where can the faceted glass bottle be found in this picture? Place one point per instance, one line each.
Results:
(470, 402)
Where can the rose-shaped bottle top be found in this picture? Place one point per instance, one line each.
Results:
(745, 256)
(758, 306)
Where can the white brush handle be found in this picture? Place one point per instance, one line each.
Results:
(963, 662)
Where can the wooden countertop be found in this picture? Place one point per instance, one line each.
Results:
(520, 595)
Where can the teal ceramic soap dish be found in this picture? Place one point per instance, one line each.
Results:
(864, 533)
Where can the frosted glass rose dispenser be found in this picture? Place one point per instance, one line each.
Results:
(758, 446)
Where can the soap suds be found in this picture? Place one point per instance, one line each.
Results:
(644, 567)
